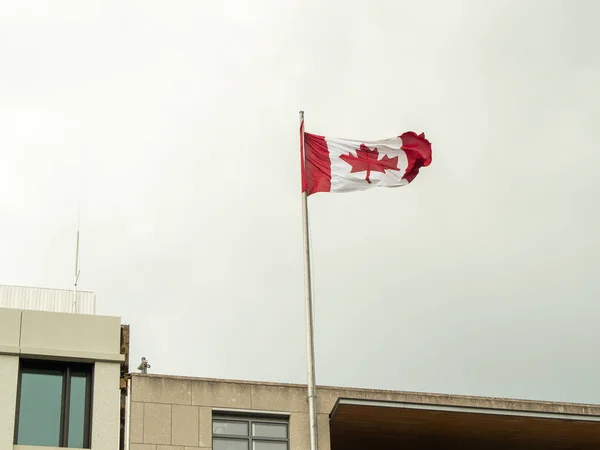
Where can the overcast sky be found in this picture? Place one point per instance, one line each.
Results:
(174, 126)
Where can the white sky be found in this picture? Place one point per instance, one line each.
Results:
(174, 125)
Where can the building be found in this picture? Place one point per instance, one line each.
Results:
(64, 382)
(60, 372)
(181, 413)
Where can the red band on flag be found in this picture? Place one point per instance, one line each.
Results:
(318, 165)
(418, 153)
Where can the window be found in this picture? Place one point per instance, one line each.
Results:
(54, 404)
(241, 433)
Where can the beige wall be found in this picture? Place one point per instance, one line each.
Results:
(9, 371)
(10, 323)
(71, 336)
(49, 335)
(106, 404)
(10, 330)
(175, 413)
(170, 413)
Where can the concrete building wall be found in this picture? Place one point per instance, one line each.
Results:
(172, 413)
(175, 413)
(9, 372)
(10, 324)
(72, 337)
(10, 329)
(106, 402)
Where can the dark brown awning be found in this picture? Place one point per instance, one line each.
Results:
(365, 424)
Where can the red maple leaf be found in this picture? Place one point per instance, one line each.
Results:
(367, 159)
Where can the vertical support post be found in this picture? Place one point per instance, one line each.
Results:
(310, 347)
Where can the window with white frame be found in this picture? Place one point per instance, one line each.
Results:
(250, 433)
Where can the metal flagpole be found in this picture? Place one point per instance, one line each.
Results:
(310, 346)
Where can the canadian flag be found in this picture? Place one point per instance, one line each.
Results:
(343, 165)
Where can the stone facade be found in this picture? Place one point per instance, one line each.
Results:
(52, 336)
(175, 413)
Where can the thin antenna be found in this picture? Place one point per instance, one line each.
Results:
(77, 271)
(78, 196)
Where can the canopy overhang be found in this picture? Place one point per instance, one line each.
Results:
(357, 423)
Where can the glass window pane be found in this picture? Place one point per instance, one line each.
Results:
(77, 411)
(268, 445)
(231, 428)
(40, 408)
(230, 444)
(274, 430)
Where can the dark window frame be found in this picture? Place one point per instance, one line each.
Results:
(250, 420)
(66, 370)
